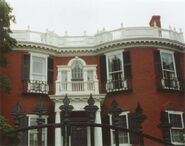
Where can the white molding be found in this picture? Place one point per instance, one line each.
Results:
(102, 48)
(76, 59)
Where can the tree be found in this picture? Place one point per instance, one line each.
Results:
(6, 41)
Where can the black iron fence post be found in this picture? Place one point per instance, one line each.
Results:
(66, 108)
(18, 115)
(40, 111)
(115, 112)
(91, 110)
(139, 117)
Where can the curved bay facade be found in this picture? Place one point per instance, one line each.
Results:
(144, 65)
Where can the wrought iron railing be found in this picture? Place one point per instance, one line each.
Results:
(34, 86)
(66, 123)
(118, 85)
(171, 84)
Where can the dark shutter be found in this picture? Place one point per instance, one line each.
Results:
(157, 61)
(134, 139)
(177, 64)
(165, 126)
(103, 70)
(50, 70)
(183, 116)
(26, 67)
(127, 64)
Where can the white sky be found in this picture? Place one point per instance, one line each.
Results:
(77, 16)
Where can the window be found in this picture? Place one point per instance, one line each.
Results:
(32, 134)
(123, 136)
(38, 68)
(116, 79)
(77, 71)
(37, 73)
(76, 77)
(177, 129)
(169, 80)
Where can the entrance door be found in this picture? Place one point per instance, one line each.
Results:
(78, 136)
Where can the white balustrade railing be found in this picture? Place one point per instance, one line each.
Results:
(76, 87)
(106, 36)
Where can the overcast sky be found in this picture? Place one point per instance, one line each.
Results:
(77, 16)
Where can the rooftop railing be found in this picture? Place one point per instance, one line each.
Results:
(52, 38)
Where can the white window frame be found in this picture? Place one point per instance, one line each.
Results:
(107, 64)
(112, 141)
(46, 65)
(176, 113)
(29, 124)
(125, 86)
(174, 66)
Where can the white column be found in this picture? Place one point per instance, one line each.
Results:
(58, 136)
(69, 85)
(85, 79)
(98, 130)
(88, 136)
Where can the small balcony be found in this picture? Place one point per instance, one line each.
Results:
(37, 87)
(77, 87)
(118, 85)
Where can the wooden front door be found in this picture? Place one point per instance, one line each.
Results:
(78, 136)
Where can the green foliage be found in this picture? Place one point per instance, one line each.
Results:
(6, 41)
(5, 83)
(4, 126)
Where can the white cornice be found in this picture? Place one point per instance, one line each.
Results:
(102, 48)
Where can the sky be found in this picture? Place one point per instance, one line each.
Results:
(77, 16)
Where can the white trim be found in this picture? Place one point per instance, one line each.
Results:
(75, 59)
(83, 87)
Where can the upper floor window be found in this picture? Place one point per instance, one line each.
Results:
(37, 72)
(77, 77)
(177, 130)
(77, 71)
(168, 70)
(38, 68)
(118, 71)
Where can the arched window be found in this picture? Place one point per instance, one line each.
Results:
(77, 71)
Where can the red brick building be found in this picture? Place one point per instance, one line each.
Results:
(130, 65)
